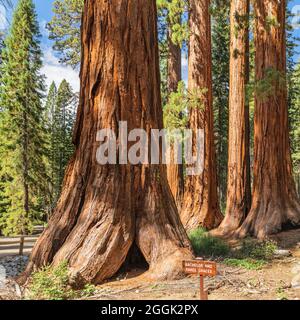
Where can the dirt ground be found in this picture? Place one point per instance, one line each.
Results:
(272, 282)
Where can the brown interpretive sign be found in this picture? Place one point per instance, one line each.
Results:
(203, 269)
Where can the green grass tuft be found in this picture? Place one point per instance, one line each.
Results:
(247, 263)
(206, 245)
(253, 249)
(252, 255)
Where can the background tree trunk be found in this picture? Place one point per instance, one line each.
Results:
(201, 206)
(275, 204)
(174, 171)
(238, 184)
(106, 209)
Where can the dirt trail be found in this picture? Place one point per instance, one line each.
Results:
(272, 282)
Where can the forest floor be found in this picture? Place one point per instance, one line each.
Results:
(272, 282)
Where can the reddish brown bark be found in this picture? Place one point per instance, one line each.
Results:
(238, 183)
(200, 205)
(104, 210)
(174, 171)
(275, 204)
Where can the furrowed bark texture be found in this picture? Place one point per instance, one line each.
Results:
(275, 204)
(200, 205)
(174, 171)
(105, 209)
(238, 184)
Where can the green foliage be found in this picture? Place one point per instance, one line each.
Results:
(206, 245)
(269, 85)
(220, 73)
(64, 29)
(250, 264)
(163, 55)
(60, 116)
(293, 82)
(173, 11)
(179, 104)
(87, 291)
(51, 284)
(263, 250)
(23, 178)
(271, 21)
(175, 116)
(252, 255)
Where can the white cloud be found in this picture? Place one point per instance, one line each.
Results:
(54, 71)
(43, 30)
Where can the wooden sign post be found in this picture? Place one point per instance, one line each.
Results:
(203, 269)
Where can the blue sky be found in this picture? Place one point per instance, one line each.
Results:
(57, 72)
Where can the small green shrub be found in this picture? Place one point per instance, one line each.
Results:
(88, 290)
(51, 284)
(206, 245)
(250, 264)
(257, 250)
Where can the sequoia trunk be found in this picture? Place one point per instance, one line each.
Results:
(200, 205)
(106, 209)
(238, 183)
(174, 171)
(275, 204)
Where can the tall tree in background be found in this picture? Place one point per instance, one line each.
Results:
(294, 115)
(22, 134)
(239, 184)
(60, 117)
(275, 203)
(50, 105)
(62, 147)
(220, 71)
(105, 210)
(48, 120)
(64, 29)
(174, 170)
(175, 9)
(201, 205)
(293, 74)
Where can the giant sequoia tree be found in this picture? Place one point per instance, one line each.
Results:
(220, 71)
(275, 204)
(174, 171)
(105, 210)
(201, 206)
(238, 186)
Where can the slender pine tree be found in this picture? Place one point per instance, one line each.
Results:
(294, 118)
(61, 135)
(24, 182)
